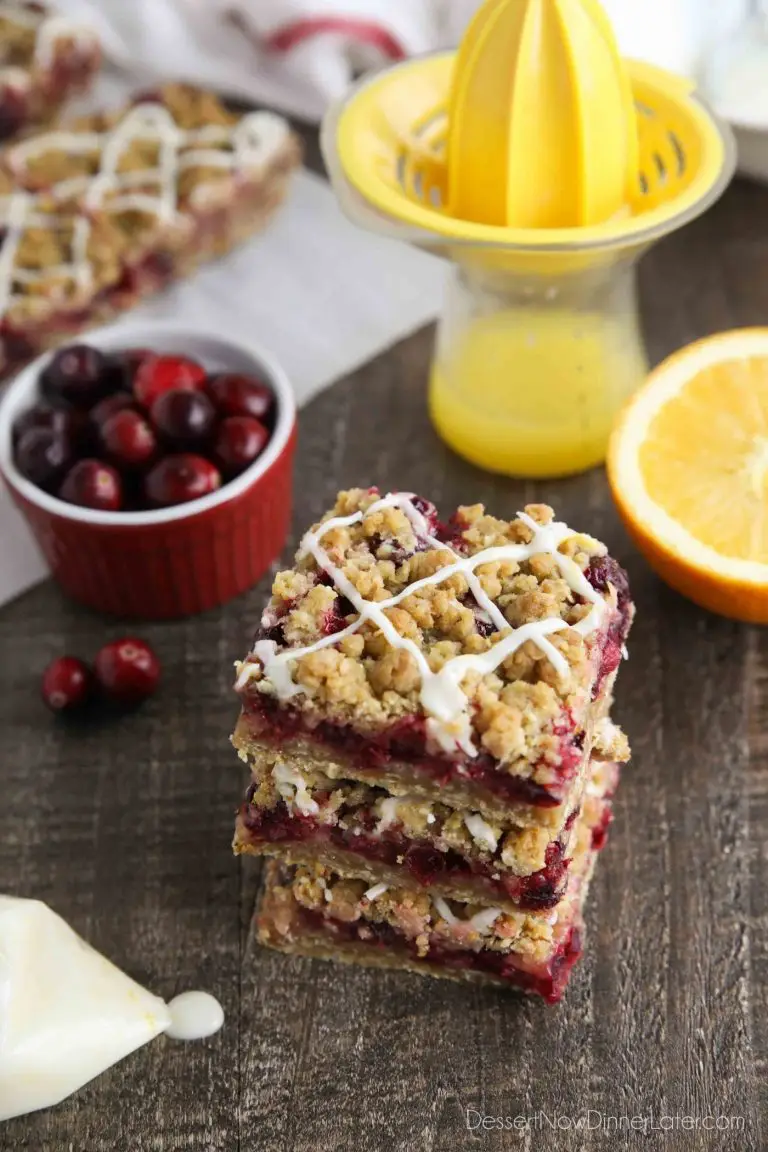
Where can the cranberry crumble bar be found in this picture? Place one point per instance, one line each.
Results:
(44, 60)
(315, 911)
(112, 207)
(426, 709)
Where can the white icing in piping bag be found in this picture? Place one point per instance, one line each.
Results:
(67, 1013)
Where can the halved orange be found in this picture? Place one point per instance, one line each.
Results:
(688, 466)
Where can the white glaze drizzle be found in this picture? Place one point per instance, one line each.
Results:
(441, 696)
(443, 909)
(387, 810)
(484, 920)
(50, 28)
(481, 831)
(376, 891)
(249, 144)
(293, 789)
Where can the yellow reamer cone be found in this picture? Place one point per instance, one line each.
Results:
(542, 130)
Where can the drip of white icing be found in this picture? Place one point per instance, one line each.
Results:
(481, 831)
(444, 910)
(194, 1015)
(250, 144)
(376, 891)
(441, 696)
(67, 1013)
(484, 920)
(293, 789)
(387, 810)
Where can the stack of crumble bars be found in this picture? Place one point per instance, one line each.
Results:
(425, 713)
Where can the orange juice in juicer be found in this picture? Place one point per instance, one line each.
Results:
(542, 165)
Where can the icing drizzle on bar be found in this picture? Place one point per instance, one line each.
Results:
(249, 144)
(49, 28)
(441, 695)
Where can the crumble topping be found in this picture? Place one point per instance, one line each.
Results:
(362, 810)
(422, 917)
(499, 655)
(30, 35)
(79, 203)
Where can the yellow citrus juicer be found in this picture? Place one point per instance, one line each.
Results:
(542, 164)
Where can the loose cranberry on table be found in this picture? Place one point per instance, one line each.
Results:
(183, 419)
(158, 374)
(77, 375)
(235, 395)
(239, 441)
(93, 484)
(67, 684)
(128, 439)
(127, 671)
(177, 479)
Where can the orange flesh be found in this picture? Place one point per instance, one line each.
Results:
(705, 458)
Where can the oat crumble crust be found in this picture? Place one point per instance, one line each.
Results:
(123, 236)
(364, 683)
(531, 935)
(21, 28)
(514, 850)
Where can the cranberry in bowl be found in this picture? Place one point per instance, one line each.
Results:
(136, 457)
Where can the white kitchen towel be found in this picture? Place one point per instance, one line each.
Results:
(323, 296)
(295, 54)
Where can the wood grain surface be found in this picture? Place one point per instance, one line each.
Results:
(124, 827)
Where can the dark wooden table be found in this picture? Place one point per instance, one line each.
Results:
(124, 828)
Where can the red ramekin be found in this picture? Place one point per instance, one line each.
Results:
(176, 561)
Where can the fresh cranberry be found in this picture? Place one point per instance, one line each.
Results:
(604, 570)
(127, 670)
(43, 456)
(78, 375)
(67, 684)
(43, 416)
(13, 111)
(93, 484)
(183, 419)
(239, 441)
(119, 402)
(426, 509)
(177, 479)
(131, 360)
(426, 864)
(235, 395)
(159, 374)
(128, 439)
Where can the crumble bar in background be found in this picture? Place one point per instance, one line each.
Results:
(45, 59)
(111, 207)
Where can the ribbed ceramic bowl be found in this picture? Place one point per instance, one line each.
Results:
(176, 561)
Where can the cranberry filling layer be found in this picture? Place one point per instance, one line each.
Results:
(603, 571)
(542, 889)
(546, 980)
(406, 741)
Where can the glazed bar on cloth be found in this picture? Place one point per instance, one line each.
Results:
(112, 207)
(468, 662)
(44, 60)
(314, 911)
(365, 833)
